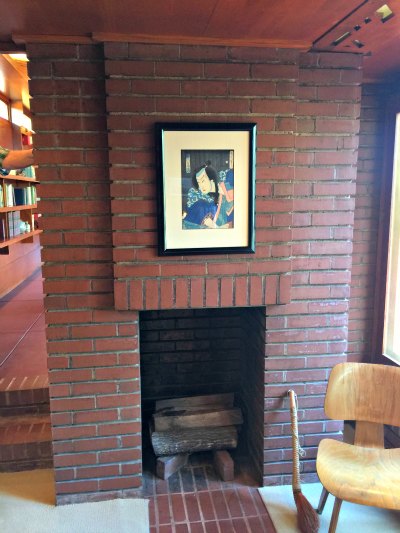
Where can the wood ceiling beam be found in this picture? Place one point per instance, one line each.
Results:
(24, 38)
(197, 40)
(98, 37)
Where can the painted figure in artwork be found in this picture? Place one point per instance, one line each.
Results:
(210, 200)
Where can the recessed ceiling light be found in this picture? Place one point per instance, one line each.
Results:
(342, 38)
(384, 13)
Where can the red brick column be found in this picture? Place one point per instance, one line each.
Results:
(307, 337)
(93, 350)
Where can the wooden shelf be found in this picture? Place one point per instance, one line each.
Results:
(10, 177)
(16, 217)
(17, 208)
(27, 237)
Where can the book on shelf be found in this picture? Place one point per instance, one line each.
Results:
(9, 194)
(1, 196)
(30, 195)
(19, 195)
(14, 224)
(10, 225)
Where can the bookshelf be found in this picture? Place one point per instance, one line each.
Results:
(17, 207)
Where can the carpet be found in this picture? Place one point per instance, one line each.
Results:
(282, 509)
(27, 503)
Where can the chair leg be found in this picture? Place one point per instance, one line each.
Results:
(335, 515)
(322, 500)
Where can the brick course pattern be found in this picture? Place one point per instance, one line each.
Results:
(197, 86)
(94, 120)
(366, 221)
(93, 349)
(308, 336)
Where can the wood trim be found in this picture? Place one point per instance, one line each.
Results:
(5, 98)
(389, 79)
(26, 111)
(25, 38)
(99, 37)
(24, 207)
(191, 40)
(13, 177)
(24, 237)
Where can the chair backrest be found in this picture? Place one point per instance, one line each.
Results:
(364, 392)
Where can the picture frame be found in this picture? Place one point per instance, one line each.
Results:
(206, 187)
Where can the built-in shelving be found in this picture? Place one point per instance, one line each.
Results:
(17, 210)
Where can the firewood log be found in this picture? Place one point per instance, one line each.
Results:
(193, 440)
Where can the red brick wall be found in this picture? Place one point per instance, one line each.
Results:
(93, 350)
(305, 338)
(369, 179)
(189, 352)
(254, 402)
(306, 109)
(149, 83)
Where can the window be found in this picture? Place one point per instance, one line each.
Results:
(4, 107)
(391, 333)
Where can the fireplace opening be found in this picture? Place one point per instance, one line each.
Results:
(202, 352)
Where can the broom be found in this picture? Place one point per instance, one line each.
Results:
(307, 518)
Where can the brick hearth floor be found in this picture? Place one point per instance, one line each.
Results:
(195, 500)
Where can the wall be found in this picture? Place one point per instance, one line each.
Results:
(93, 356)
(187, 83)
(306, 107)
(190, 352)
(367, 210)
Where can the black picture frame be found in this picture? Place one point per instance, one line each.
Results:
(206, 187)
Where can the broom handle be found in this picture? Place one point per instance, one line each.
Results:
(295, 442)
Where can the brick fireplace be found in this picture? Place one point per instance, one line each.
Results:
(200, 352)
(94, 108)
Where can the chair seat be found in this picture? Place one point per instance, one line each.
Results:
(367, 476)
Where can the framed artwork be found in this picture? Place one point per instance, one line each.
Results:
(206, 186)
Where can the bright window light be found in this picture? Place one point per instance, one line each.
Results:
(391, 333)
(19, 57)
(3, 110)
(18, 118)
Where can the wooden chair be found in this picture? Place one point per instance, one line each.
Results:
(363, 472)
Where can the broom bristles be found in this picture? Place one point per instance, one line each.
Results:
(307, 518)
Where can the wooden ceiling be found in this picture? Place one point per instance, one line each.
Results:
(302, 24)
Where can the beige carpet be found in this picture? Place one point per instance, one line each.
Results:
(282, 509)
(27, 505)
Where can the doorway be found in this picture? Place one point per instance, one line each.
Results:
(25, 435)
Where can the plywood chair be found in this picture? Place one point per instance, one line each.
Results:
(363, 472)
